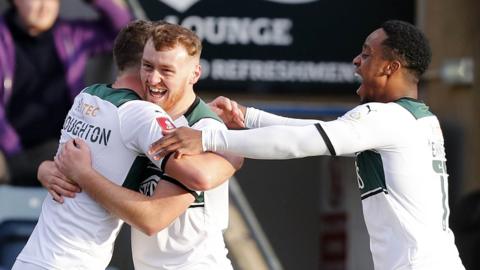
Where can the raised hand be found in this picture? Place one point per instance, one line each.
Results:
(231, 113)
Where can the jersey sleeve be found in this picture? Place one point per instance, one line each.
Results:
(366, 127)
(255, 118)
(273, 142)
(141, 124)
(209, 123)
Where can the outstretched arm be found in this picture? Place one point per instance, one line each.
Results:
(275, 142)
(358, 130)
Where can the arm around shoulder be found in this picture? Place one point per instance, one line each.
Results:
(148, 214)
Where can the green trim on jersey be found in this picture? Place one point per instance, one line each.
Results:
(115, 96)
(136, 173)
(199, 201)
(198, 111)
(417, 108)
(142, 169)
(147, 177)
(370, 174)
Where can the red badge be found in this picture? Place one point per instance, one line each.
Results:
(165, 123)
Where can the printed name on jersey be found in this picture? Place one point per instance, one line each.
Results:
(165, 123)
(88, 132)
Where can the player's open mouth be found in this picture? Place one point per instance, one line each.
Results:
(358, 76)
(157, 92)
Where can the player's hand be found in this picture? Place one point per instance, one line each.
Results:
(74, 160)
(57, 184)
(182, 141)
(231, 113)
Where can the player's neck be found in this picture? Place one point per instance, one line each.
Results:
(182, 105)
(129, 80)
(397, 89)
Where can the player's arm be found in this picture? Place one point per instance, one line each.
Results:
(143, 124)
(148, 214)
(275, 142)
(236, 115)
(204, 171)
(57, 184)
(356, 131)
(214, 168)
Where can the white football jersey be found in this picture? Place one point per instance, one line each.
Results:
(401, 169)
(79, 234)
(403, 180)
(194, 241)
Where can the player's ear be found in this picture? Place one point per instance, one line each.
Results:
(392, 67)
(197, 72)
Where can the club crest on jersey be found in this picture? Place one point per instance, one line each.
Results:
(165, 123)
(147, 187)
(355, 115)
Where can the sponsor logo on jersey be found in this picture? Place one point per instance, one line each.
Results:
(165, 123)
(86, 109)
(370, 109)
(147, 187)
(355, 115)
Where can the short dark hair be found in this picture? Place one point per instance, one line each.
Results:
(129, 43)
(407, 44)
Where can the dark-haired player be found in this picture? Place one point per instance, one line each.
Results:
(397, 141)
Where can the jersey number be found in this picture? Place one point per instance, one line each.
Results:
(440, 167)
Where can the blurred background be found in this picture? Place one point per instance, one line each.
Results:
(293, 57)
